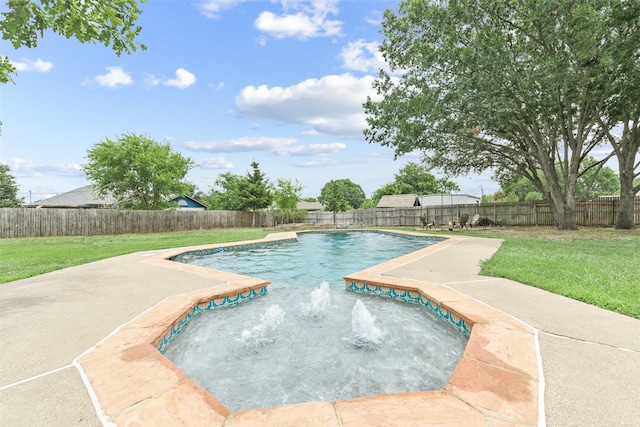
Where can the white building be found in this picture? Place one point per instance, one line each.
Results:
(448, 199)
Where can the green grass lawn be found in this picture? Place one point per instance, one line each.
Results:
(22, 258)
(605, 273)
(597, 266)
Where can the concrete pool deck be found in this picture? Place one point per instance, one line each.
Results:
(590, 357)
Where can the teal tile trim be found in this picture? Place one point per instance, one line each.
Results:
(217, 303)
(412, 298)
(234, 248)
(390, 233)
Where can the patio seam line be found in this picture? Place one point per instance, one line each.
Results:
(35, 377)
(567, 337)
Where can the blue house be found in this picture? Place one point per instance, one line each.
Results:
(189, 203)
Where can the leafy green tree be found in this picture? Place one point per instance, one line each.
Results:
(511, 198)
(515, 87)
(533, 196)
(415, 178)
(352, 191)
(225, 196)
(139, 172)
(369, 203)
(334, 197)
(519, 186)
(286, 197)
(8, 189)
(255, 191)
(594, 183)
(108, 22)
(622, 109)
(591, 184)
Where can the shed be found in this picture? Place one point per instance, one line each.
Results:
(398, 201)
(80, 198)
(309, 206)
(448, 199)
(188, 203)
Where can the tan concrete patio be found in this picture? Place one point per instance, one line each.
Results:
(590, 357)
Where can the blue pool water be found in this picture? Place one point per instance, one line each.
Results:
(310, 339)
(315, 257)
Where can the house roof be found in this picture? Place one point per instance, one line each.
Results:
(82, 197)
(398, 201)
(188, 202)
(309, 206)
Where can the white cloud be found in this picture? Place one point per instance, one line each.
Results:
(301, 19)
(217, 162)
(362, 56)
(28, 168)
(331, 105)
(276, 146)
(320, 163)
(115, 76)
(375, 18)
(245, 144)
(311, 149)
(39, 66)
(152, 80)
(183, 79)
(213, 8)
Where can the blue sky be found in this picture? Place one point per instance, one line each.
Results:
(226, 82)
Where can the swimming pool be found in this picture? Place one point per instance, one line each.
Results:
(498, 378)
(310, 339)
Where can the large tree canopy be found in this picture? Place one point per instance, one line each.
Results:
(351, 192)
(109, 22)
(339, 194)
(139, 172)
(516, 87)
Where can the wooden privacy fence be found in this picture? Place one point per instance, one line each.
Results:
(25, 222)
(599, 213)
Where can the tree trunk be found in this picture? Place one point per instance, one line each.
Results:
(565, 210)
(627, 195)
(253, 218)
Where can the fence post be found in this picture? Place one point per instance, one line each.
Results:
(613, 211)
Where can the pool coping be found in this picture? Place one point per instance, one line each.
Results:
(497, 381)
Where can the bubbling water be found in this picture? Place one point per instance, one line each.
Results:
(334, 345)
(264, 332)
(365, 332)
(320, 302)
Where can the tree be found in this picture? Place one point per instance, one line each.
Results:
(109, 22)
(353, 193)
(589, 186)
(517, 87)
(139, 172)
(286, 197)
(334, 197)
(8, 189)
(415, 178)
(255, 191)
(622, 110)
(226, 194)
